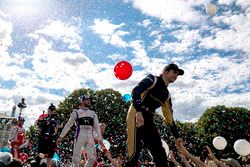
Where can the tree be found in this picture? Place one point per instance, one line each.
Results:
(32, 134)
(232, 123)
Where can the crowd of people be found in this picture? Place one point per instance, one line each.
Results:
(65, 151)
(58, 144)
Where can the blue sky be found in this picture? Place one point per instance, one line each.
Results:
(48, 48)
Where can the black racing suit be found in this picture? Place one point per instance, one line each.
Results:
(155, 95)
(48, 134)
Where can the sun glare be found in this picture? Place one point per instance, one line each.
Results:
(25, 7)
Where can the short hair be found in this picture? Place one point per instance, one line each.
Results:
(84, 97)
(52, 107)
(173, 67)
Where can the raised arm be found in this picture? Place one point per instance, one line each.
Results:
(172, 158)
(69, 124)
(185, 152)
(213, 158)
(13, 133)
(184, 160)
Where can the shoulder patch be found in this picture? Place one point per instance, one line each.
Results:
(151, 78)
(155, 80)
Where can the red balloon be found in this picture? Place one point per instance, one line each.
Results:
(123, 70)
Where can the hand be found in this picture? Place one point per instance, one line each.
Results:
(178, 142)
(104, 149)
(139, 119)
(210, 154)
(183, 149)
(58, 142)
(171, 155)
(41, 155)
(182, 156)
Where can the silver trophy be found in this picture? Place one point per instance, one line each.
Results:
(21, 106)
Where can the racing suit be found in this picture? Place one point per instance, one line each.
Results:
(17, 140)
(150, 94)
(48, 133)
(86, 121)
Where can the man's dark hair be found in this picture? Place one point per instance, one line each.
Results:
(173, 67)
(52, 107)
(84, 97)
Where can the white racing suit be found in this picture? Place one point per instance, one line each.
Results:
(86, 121)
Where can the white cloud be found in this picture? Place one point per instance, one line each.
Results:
(243, 3)
(205, 82)
(236, 37)
(189, 106)
(109, 32)
(145, 23)
(36, 100)
(67, 32)
(168, 10)
(141, 57)
(185, 40)
(117, 57)
(61, 67)
(212, 73)
(6, 29)
(225, 2)
(158, 38)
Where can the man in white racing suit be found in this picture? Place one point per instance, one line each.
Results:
(86, 121)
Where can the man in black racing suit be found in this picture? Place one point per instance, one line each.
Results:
(150, 94)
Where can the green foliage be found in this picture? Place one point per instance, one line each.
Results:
(30, 132)
(232, 123)
(112, 110)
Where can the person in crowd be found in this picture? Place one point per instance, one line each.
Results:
(185, 152)
(231, 162)
(171, 157)
(15, 163)
(107, 152)
(5, 159)
(48, 127)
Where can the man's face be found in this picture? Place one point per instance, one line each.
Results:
(102, 127)
(86, 102)
(171, 75)
(50, 112)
